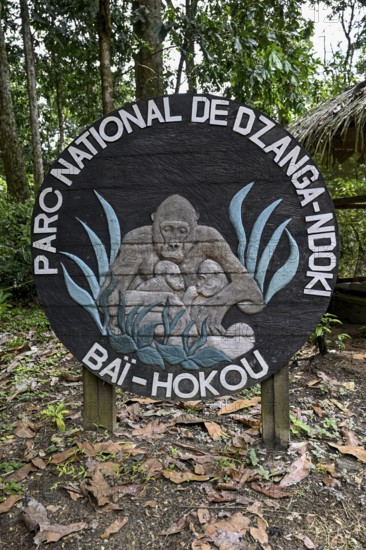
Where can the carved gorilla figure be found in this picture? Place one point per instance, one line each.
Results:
(176, 236)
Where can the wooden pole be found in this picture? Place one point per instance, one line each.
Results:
(276, 410)
(99, 406)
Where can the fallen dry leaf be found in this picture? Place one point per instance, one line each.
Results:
(351, 438)
(256, 508)
(354, 450)
(107, 447)
(151, 503)
(131, 489)
(181, 477)
(53, 533)
(24, 430)
(144, 400)
(153, 429)
(151, 468)
(9, 503)
(176, 527)
(308, 543)
(186, 418)
(59, 458)
(115, 527)
(215, 496)
(199, 544)
(239, 404)
(39, 463)
(328, 379)
(298, 471)
(108, 468)
(96, 487)
(35, 518)
(260, 533)
(21, 473)
(235, 524)
(318, 411)
(203, 515)
(214, 430)
(271, 490)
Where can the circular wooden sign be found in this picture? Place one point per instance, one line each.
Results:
(184, 247)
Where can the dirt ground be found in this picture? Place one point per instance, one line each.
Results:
(179, 475)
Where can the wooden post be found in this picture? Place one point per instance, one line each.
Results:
(276, 410)
(99, 406)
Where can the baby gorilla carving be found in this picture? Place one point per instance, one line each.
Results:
(175, 236)
(167, 278)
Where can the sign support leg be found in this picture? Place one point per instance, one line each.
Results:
(99, 405)
(276, 410)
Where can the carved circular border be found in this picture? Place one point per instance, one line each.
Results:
(260, 200)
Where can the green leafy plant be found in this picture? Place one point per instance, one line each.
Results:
(322, 335)
(15, 250)
(56, 413)
(4, 301)
(298, 425)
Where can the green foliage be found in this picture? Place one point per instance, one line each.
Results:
(322, 335)
(352, 227)
(15, 250)
(258, 52)
(56, 413)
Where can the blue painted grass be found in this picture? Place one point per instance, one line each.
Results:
(236, 219)
(248, 251)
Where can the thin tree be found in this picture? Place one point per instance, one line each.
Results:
(16, 179)
(148, 60)
(104, 31)
(32, 95)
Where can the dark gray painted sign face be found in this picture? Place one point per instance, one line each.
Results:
(184, 247)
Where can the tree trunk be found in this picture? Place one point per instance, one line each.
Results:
(60, 117)
(104, 31)
(15, 175)
(32, 95)
(149, 59)
(191, 9)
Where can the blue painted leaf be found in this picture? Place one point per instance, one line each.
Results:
(150, 356)
(236, 218)
(256, 234)
(103, 299)
(88, 273)
(165, 316)
(175, 321)
(99, 251)
(185, 335)
(122, 343)
(201, 341)
(113, 227)
(286, 273)
(121, 313)
(209, 357)
(146, 335)
(189, 365)
(266, 257)
(83, 298)
(145, 310)
(129, 319)
(173, 355)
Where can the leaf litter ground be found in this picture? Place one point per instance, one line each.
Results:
(179, 475)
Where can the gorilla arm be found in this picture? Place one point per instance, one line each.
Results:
(136, 257)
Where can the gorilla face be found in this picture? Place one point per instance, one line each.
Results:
(174, 225)
(211, 278)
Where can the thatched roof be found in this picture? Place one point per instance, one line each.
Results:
(337, 128)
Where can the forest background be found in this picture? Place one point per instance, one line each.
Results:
(64, 64)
